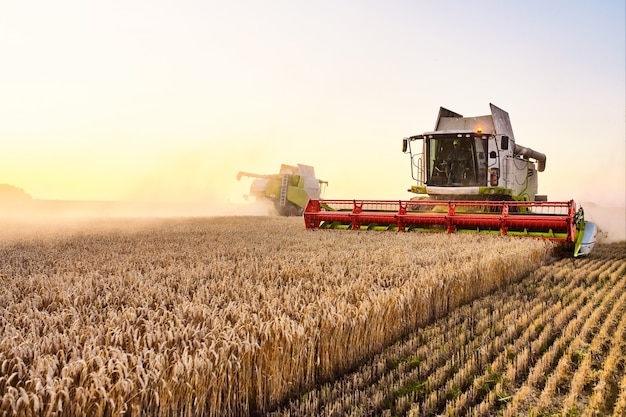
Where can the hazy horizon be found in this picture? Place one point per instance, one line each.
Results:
(610, 220)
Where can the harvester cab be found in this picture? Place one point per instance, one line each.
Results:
(290, 190)
(473, 158)
(470, 176)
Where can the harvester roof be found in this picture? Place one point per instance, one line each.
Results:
(498, 122)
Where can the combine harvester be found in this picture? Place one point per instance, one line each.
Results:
(289, 190)
(470, 176)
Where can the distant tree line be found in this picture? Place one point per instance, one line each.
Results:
(12, 193)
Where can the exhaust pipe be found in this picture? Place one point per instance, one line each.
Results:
(529, 153)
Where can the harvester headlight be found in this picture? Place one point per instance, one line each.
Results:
(479, 129)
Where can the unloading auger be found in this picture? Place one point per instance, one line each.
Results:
(470, 177)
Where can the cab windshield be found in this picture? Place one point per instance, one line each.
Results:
(456, 161)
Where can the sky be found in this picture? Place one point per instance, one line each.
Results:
(168, 100)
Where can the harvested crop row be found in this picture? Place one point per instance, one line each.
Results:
(410, 371)
(222, 316)
(553, 342)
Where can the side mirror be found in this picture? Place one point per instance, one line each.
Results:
(492, 155)
(504, 143)
(405, 144)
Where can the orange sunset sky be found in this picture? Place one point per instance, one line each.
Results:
(163, 100)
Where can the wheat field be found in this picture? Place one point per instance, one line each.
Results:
(238, 315)
(553, 343)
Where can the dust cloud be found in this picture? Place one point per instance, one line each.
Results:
(183, 190)
(40, 210)
(39, 218)
(195, 182)
(611, 221)
(199, 181)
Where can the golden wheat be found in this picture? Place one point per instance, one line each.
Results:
(225, 316)
(551, 344)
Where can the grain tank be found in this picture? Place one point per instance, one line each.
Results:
(289, 190)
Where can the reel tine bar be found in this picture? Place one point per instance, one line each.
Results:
(551, 220)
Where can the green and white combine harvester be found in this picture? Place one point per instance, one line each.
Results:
(290, 190)
(470, 176)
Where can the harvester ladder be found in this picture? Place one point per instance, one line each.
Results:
(283, 190)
